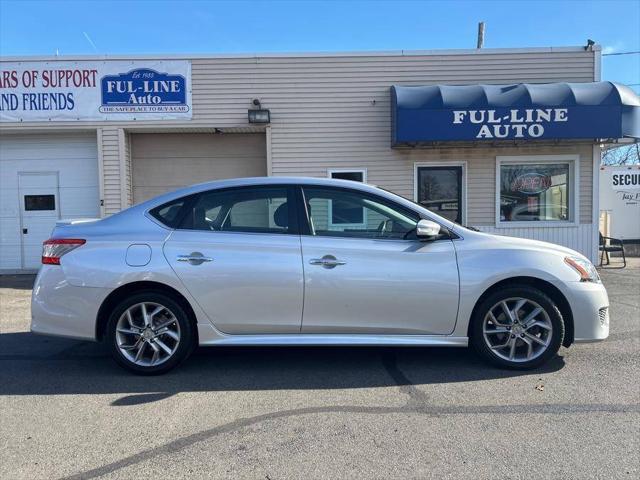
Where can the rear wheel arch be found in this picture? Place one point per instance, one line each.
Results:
(129, 289)
(546, 287)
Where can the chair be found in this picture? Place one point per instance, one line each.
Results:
(608, 245)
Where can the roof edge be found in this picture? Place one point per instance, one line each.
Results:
(387, 53)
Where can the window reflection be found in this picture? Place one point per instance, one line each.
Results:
(534, 192)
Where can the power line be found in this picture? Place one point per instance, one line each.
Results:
(621, 53)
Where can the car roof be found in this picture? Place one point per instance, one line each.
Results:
(234, 182)
(258, 181)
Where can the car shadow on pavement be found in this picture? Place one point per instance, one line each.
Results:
(17, 282)
(36, 365)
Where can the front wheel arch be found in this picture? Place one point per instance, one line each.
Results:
(548, 288)
(124, 291)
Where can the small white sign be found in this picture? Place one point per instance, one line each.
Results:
(625, 179)
(620, 198)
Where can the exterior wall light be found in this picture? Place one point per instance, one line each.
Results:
(259, 115)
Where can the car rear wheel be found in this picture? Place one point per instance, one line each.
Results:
(149, 333)
(518, 327)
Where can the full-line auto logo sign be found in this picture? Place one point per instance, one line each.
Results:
(95, 90)
(142, 91)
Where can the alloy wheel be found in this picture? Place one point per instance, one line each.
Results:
(147, 334)
(517, 329)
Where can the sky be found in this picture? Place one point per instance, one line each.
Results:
(157, 27)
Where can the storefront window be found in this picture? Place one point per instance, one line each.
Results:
(353, 175)
(535, 192)
(440, 190)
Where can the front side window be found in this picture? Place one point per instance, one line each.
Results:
(376, 218)
(531, 192)
(341, 214)
(250, 210)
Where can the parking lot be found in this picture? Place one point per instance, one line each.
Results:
(68, 411)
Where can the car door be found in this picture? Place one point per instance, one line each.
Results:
(367, 272)
(237, 251)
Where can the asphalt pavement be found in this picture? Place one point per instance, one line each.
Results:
(67, 410)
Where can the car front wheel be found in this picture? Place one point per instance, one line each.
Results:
(518, 327)
(149, 333)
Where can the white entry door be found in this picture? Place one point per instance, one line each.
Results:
(39, 211)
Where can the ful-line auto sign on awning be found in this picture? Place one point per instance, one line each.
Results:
(437, 113)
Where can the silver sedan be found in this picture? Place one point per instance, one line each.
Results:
(301, 261)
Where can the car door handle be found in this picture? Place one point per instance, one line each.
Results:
(195, 258)
(328, 261)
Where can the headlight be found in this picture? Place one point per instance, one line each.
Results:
(585, 269)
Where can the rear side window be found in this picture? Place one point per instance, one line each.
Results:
(169, 214)
(249, 210)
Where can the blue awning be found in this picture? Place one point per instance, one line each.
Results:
(439, 113)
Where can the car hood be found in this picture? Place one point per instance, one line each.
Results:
(524, 244)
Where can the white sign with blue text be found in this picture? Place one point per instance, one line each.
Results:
(95, 90)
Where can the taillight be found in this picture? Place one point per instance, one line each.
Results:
(54, 249)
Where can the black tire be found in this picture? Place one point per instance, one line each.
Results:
(183, 347)
(533, 294)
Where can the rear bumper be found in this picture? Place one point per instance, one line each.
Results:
(590, 307)
(61, 309)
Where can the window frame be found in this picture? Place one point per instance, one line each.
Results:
(444, 164)
(191, 199)
(330, 173)
(305, 224)
(573, 161)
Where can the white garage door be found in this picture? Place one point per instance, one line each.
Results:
(43, 178)
(164, 162)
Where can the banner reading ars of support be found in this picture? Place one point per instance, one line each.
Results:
(95, 90)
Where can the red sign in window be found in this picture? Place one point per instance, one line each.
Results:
(531, 183)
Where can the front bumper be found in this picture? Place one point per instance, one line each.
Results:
(61, 309)
(590, 307)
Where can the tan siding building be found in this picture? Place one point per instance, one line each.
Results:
(330, 112)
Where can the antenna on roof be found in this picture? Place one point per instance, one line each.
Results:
(480, 35)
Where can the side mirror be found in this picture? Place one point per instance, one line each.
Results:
(427, 229)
